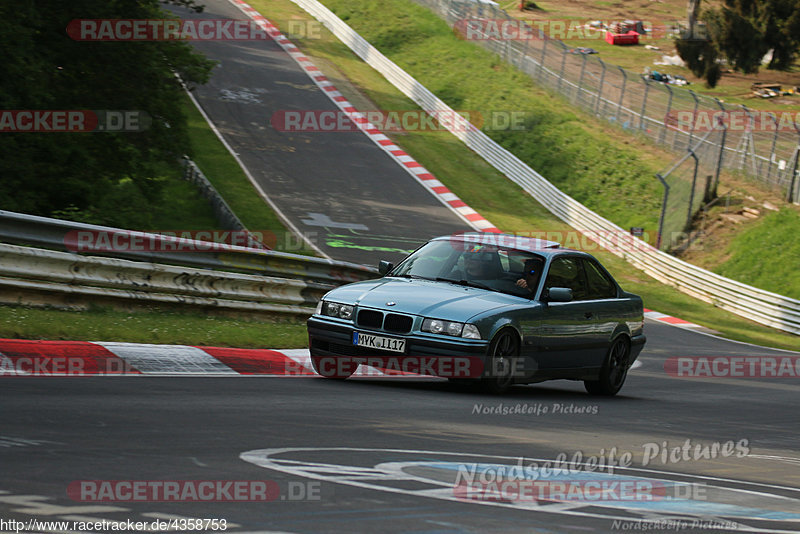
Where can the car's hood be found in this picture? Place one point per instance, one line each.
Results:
(442, 300)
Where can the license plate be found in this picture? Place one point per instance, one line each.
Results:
(379, 342)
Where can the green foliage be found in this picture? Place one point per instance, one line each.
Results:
(701, 57)
(775, 266)
(151, 326)
(745, 30)
(737, 33)
(44, 69)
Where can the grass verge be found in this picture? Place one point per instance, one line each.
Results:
(228, 178)
(157, 326)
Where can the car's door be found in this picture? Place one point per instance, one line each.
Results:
(566, 337)
(606, 308)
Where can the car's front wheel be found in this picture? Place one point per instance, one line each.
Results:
(501, 363)
(330, 367)
(614, 370)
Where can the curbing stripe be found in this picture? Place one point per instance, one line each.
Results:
(84, 358)
(674, 321)
(23, 357)
(168, 359)
(465, 213)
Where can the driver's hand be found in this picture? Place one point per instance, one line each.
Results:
(522, 283)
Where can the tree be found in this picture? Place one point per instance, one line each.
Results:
(44, 69)
(785, 39)
(697, 50)
(743, 32)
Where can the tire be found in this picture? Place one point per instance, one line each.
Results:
(614, 370)
(499, 374)
(333, 367)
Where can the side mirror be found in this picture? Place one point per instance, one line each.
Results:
(559, 294)
(385, 266)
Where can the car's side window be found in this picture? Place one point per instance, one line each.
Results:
(598, 284)
(567, 272)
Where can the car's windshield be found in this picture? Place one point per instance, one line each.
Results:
(476, 265)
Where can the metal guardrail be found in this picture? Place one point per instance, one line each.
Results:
(69, 236)
(224, 214)
(25, 270)
(752, 303)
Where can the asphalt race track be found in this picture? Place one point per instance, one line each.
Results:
(57, 432)
(705, 454)
(339, 189)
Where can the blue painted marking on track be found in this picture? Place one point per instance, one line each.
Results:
(666, 504)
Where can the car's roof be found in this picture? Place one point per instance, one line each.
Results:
(527, 244)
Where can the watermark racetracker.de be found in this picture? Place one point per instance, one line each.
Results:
(73, 121)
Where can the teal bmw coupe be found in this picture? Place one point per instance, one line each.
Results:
(493, 309)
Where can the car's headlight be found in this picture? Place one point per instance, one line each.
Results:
(334, 309)
(450, 328)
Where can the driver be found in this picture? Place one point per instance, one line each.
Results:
(478, 266)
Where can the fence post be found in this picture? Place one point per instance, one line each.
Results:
(563, 66)
(694, 117)
(722, 141)
(771, 160)
(663, 210)
(691, 194)
(544, 53)
(790, 196)
(644, 104)
(600, 88)
(749, 142)
(669, 109)
(580, 79)
(524, 54)
(621, 92)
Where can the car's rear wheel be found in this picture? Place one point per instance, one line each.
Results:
(332, 367)
(498, 376)
(614, 370)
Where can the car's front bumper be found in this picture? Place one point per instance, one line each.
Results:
(456, 358)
